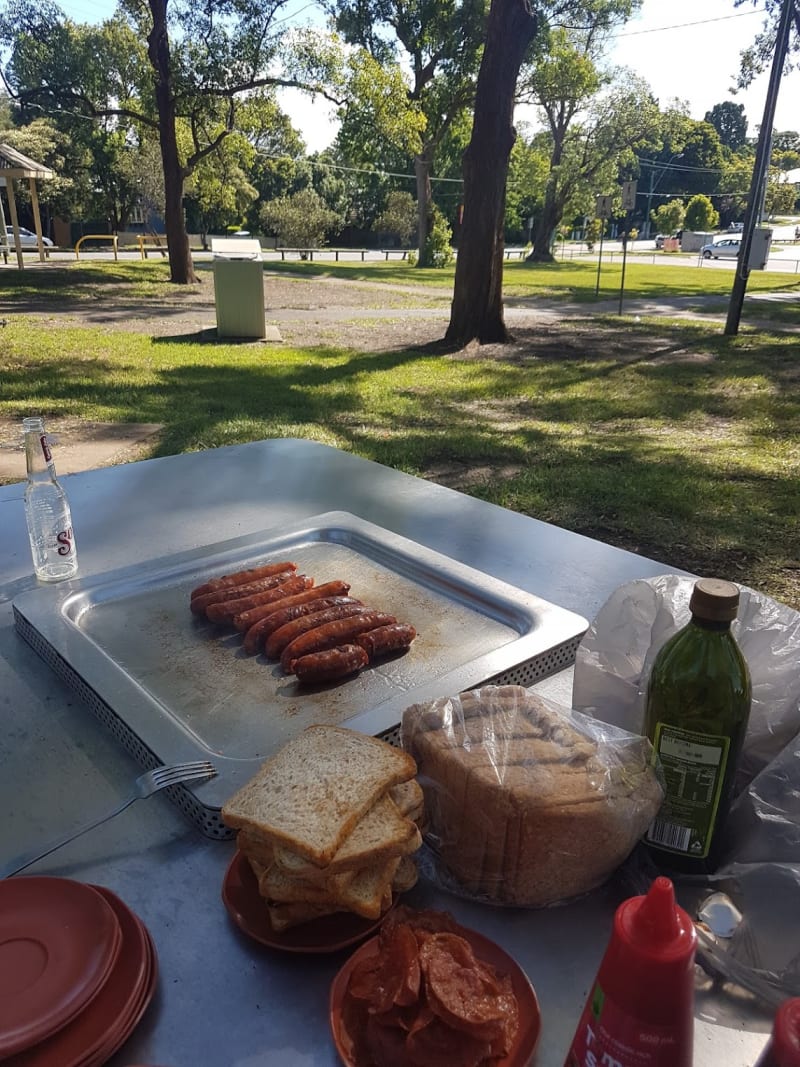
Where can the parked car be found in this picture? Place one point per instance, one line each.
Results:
(26, 238)
(728, 248)
(736, 227)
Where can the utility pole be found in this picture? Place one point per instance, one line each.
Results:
(760, 168)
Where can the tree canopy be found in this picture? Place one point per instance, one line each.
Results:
(730, 122)
(416, 78)
(184, 71)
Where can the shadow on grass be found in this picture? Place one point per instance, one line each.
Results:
(208, 336)
(616, 441)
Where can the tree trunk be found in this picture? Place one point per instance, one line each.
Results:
(422, 170)
(180, 260)
(551, 211)
(477, 308)
(548, 221)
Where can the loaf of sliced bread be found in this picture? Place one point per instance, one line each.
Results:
(310, 796)
(525, 808)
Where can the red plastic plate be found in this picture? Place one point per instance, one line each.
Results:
(246, 907)
(530, 1021)
(59, 940)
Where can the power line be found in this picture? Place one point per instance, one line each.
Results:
(674, 166)
(355, 170)
(685, 25)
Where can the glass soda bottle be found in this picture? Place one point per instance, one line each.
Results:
(47, 509)
(698, 706)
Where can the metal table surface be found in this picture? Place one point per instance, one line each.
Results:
(224, 1001)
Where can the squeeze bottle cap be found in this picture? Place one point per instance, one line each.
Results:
(655, 926)
(786, 1034)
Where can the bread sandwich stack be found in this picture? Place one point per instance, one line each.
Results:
(523, 807)
(329, 824)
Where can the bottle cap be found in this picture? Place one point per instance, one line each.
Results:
(715, 600)
(786, 1034)
(656, 925)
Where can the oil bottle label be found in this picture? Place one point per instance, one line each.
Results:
(608, 1037)
(694, 769)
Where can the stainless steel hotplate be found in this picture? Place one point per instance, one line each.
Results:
(172, 688)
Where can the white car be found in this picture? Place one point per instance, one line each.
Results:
(728, 248)
(27, 239)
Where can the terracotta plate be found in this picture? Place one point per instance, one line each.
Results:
(109, 1011)
(58, 942)
(246, 907)
(117, 1038)
(530, 1023)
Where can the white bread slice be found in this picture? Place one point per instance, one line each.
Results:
(408, 797)
(276, 885)
(365, 892)
(406, 875)
(382, 832)
(314, 791)
(256, 849)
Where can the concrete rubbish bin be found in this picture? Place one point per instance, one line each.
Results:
(238, 287)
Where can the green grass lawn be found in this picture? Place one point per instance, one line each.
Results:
(686, 450)
(568, 280)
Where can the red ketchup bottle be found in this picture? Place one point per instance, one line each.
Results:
(783, 1049)
(640, 1012)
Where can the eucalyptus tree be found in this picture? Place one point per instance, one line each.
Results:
(730, 122)
(417, 82)
(562, 81)
(514, 27)
(157, 65)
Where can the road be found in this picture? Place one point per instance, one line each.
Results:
(785, 258)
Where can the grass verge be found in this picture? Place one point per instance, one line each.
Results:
(663, 438)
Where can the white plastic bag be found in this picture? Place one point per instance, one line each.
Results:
(617, 651)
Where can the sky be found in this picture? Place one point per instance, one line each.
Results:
(685, 48)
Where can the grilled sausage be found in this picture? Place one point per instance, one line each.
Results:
(242, 577)
(258, 633)
(331, 664)
(278, 641)
(248, 618)
(233, 592)
(229, 609)
(386, 639)
(331, 634)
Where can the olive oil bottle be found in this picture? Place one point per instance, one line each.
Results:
(698, 706)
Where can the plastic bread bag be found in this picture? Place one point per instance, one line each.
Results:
(617, 651)
(527, 803)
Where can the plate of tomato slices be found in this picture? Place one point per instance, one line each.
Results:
(428, 991)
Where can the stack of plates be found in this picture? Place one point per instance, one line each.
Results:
(77, 971)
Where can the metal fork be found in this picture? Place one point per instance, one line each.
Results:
(144, 786)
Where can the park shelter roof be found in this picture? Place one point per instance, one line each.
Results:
(14, 164)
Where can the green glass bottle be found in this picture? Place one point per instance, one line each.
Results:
(698, 706)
